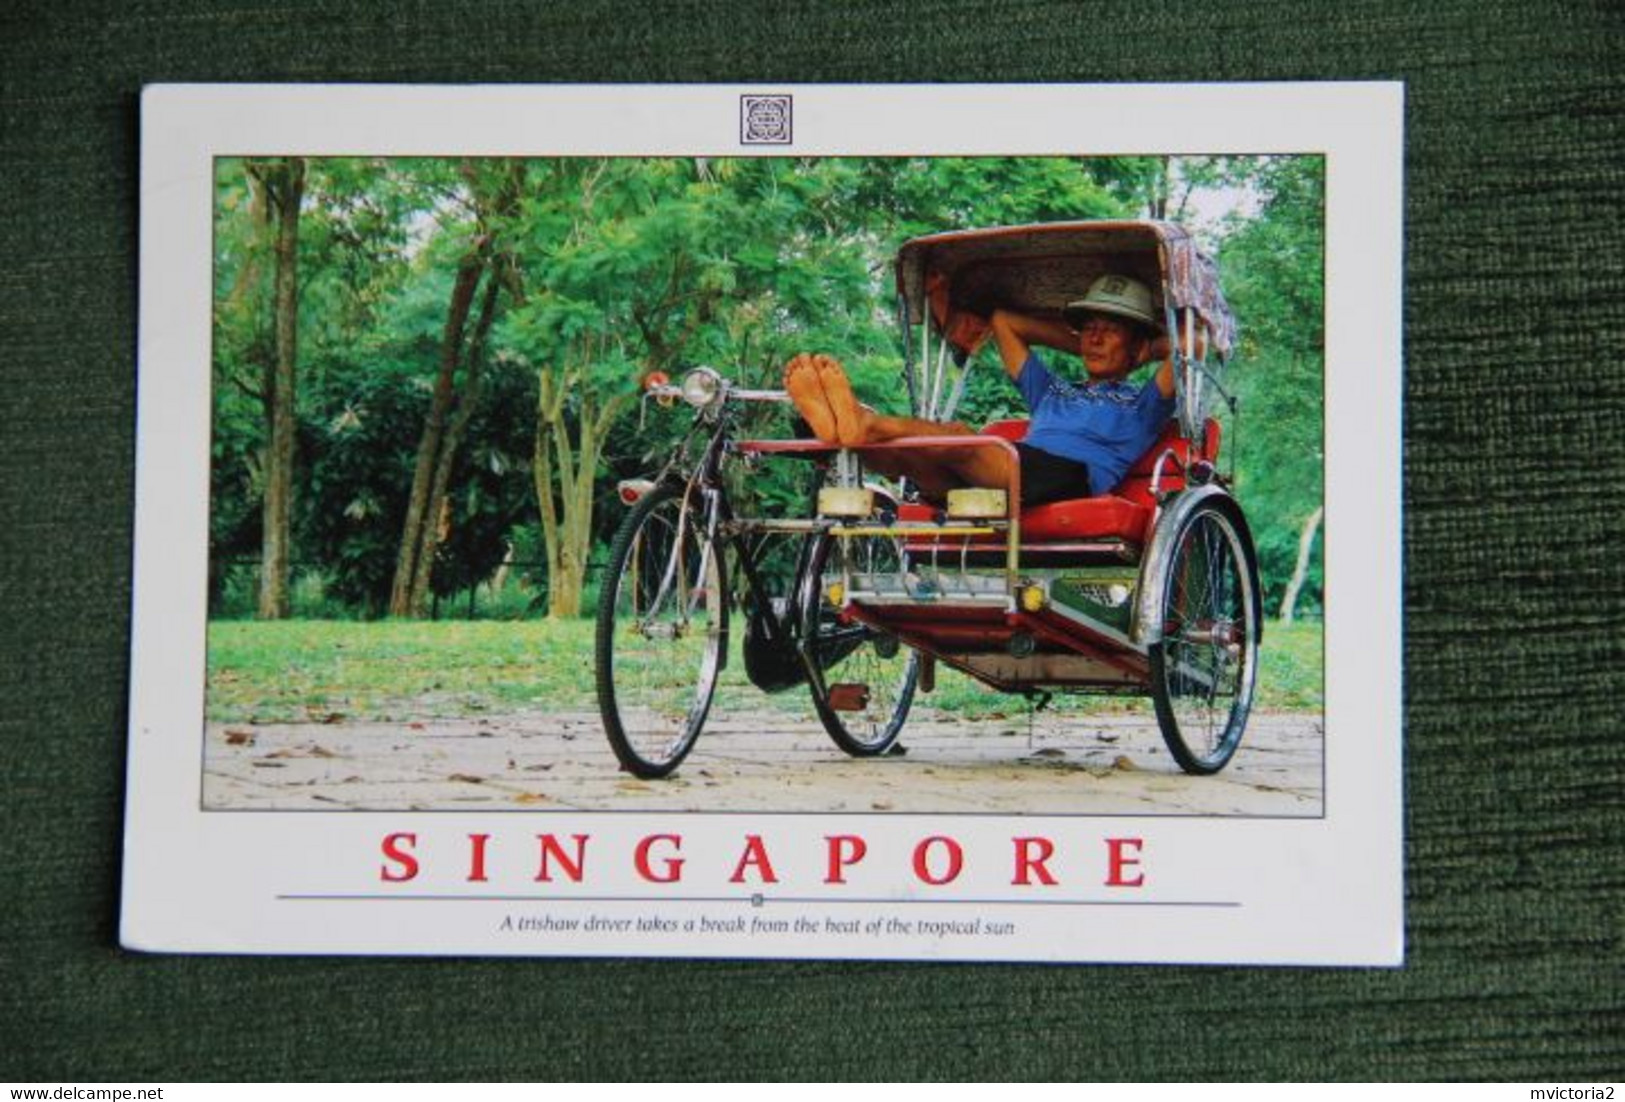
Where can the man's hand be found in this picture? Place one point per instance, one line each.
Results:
(962, 329)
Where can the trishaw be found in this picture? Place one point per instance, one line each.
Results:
(1151, 589)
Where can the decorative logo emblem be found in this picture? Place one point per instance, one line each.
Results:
(764, 120)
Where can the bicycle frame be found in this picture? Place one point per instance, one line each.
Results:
(703, 482)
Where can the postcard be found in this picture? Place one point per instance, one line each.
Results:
(950, 522)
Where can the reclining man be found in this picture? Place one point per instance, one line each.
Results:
(1081, 438)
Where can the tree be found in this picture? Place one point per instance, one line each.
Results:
(281, 185)
(492, 192)
(1300, 572)
(621, 289)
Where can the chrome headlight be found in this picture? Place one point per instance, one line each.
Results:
(702, 387)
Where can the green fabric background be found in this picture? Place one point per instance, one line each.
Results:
(1514, 741)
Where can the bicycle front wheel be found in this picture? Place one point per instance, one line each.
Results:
(662, 631)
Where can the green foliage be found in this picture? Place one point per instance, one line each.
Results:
(354, 492)
(618, 267)
(1273, 271)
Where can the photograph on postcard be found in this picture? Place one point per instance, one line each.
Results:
(950, 522)
(949, 484)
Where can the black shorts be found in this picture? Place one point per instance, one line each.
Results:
(1047, 477)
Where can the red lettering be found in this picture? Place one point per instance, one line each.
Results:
(552, 850)
(1027, 864)
(922, 867)
(673, 865)
(1117, 860)
(476, 857)
(844, 850)
(398, 848)
(755, 854)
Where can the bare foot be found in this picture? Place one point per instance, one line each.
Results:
(851, 419)
(801, 380)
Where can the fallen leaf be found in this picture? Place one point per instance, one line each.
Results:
(1107, 736)
(1124, 763)
(881, 805)
(321, 752)
(466, 778)
(1049, 752)
(417, 726)
(530, 798)
(239, 738)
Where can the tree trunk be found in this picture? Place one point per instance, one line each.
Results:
(406, 597)
(1306, 541)
(550, 435)
(466, 402)
(280, 395)
(567, 510)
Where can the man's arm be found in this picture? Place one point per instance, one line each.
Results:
(1015, 334)
(1164, 378)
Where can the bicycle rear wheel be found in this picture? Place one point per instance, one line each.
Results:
(662, 632)
(862, 680)
(1205, 668)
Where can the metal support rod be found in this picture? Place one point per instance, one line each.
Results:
(938, 370)
(847, 472)
(922, 409)
(908, 351)
(958, 394)
(1193, 388)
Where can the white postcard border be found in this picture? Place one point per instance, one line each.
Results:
(1217, 890)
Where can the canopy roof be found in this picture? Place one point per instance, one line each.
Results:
(1037, 269)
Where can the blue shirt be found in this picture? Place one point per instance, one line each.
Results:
(1105, 426)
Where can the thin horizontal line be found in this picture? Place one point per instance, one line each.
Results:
(752, 901)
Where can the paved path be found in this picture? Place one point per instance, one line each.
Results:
(762, 760)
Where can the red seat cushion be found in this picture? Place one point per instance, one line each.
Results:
(1122, 514)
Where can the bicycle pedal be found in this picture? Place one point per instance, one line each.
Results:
(976, 504)
(848, 697)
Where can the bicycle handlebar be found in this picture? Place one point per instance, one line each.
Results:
(669, 392)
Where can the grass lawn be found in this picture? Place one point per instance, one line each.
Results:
(333, 670)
